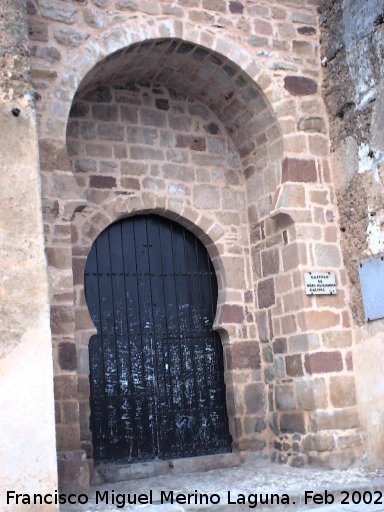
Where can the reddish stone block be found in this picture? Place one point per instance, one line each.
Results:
(242, 356)
(102, 182)
(300, 85)
(295, 169)
(236, 7)
(67, 356)
(231, 314)
(323, 362)
(266, 293)
(73, 471)
(306, 31)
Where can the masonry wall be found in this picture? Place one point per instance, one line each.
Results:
(27, 431)
(258, 193)
(353, 60)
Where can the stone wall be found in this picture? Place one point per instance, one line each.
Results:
(353, 59)
(27, 435)
(130, 97)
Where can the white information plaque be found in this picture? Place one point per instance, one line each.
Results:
(320, 283)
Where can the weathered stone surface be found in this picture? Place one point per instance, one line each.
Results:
(294, 365)
(266, 293)
(68, 37)
(342, 391)
(245, 355)
(58, 10)
(236, 7)
(102, 182)
(206, 197)
(231, 313)
(67, 356)
(292, 423)
(284, 397)
(295, 169)
(311, 394)
(337, 419)
(255, 398)
(323, 362)
(37, 30)
(74, 472)
(300, 85)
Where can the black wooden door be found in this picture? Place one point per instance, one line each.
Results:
(156, 365)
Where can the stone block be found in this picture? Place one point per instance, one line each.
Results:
(65, 387)
(68, 37)
(130, 114)
(130, 183)
(280, 346)
(105, 112)
(312, 124)
(266, 293)
(73, 472)
(62, 320)
(192, 142)
(98, 150)
(262, 27)
(142, 135)
(341, 419)
(243, 355)
(342, 391)
(270, 262)
(110, 131)
(37, 30)
(58, 10)
(67, 356)
(327, 255)
(102, 182)
(236, 7)
(292, 423)
(319, 319)
(255, 398)
(284, 397)
(88, 130)
(294, 365)
(301, 170)
(303, 342)
(337, 339)
(311, 394)
(233, 199)
(323, 362)
(231, 314)
(151, 117)
(300, 85)
(145, 153)
(206, 197)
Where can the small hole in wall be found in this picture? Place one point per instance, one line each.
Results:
(379, 20)
(15, 112)
(343, 229)
(371, 154)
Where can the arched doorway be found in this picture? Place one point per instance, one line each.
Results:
(156, 365)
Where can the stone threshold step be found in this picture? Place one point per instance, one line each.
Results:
(112, 473)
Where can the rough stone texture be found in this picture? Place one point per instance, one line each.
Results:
(193, 121)
(352, 34)
(27, 437)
